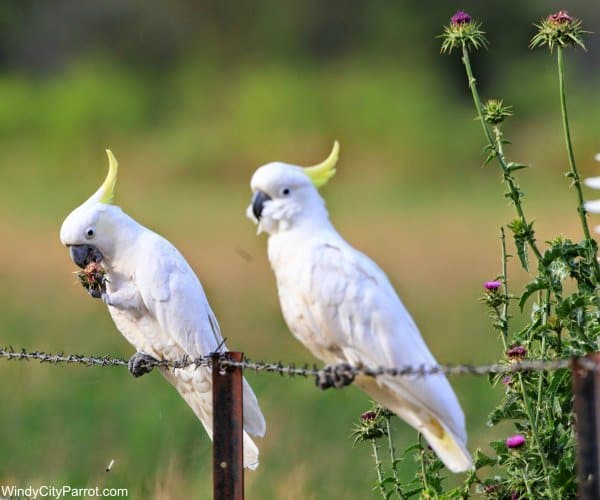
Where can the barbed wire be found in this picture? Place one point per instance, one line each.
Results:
(331, 374)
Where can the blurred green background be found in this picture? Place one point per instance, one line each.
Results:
(192, 96)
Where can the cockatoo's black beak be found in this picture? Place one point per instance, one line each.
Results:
(258, 203)
(82, 255)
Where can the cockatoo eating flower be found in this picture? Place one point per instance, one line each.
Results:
(340, 305)
(155, 300)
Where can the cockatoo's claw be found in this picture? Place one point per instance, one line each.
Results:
(337, 376)
(140, 364)
(94, 292)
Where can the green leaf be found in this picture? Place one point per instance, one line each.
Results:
(481, 460)
(532, 287)
(489, 158)
(521, 245)
(512, 166)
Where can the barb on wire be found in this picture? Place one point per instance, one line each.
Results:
(332, 372)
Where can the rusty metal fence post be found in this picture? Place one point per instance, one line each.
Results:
(228, 429)
(586, 405)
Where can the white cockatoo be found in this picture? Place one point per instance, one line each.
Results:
(156, 301)
(593, 206)
(341, 305)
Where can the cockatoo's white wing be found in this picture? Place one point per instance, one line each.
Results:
(174, 296)
(177, 300)
(593, 206)
(353, 306)
(593, 182)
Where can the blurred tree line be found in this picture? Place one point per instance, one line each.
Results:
(188, 78)
(152, 35)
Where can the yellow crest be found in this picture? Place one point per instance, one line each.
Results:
(107, 189)
(321, 173)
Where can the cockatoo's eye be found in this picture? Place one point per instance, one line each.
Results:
(285, 191)
(90, 232)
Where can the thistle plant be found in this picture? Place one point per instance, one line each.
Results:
(538, 460)
(373, 428)
(560, 30)
(93, 279)
(560, 302)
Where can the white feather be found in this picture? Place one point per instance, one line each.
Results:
(159, 305)
(341, 306)
(593, 206)
(180, 322)
(592, 182)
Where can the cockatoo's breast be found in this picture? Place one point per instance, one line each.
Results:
(140, 328)
(289, 255)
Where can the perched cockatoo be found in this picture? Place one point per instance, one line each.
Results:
(155, 300)
(593, 206)
(340, 305)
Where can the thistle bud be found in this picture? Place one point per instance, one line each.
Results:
(559, 29)
(495, 112)
(517, 352)
(371, 425)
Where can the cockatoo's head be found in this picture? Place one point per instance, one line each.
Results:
(89, 230)
(284, 195)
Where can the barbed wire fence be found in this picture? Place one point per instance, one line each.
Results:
(307, 370)
(228, 477)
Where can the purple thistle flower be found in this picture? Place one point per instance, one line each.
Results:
(561, 17)
(517, 352)
(492, 286)
(461, 17)
(506, 380)
(368, 416)
(515, 496)
(463, 32)
(515, 441)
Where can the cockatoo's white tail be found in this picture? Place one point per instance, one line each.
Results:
(450, 448)
(198, 395)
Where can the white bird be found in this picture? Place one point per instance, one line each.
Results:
(341, 305)
(156, 301)
(594, 205)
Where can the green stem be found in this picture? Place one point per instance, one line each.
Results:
(536, 437)
(527, 487)
(513, 189)
(545, 315)
(476, 99)
(504, 316)
(397, 486)
(547, 308)
(378, 467)
(540, 384)
(574, 174)
(423, 471)
(496, 147)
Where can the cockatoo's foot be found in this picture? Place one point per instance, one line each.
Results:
(140, 364)
(337, 376)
